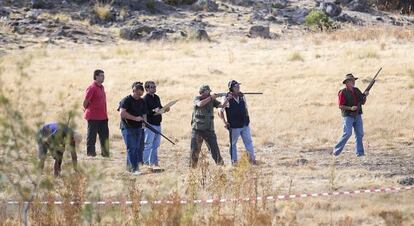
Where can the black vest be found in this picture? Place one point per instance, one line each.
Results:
(350, 101)
(236, 113)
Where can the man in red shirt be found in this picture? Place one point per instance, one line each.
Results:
(96, 115)
(350, 101)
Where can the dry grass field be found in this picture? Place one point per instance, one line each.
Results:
(294, 124)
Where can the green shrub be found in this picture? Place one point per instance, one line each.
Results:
(318, 20)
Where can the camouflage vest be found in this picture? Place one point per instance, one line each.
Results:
(203, 118)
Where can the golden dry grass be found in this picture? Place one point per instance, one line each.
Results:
(102, 10)
(63, 17)
(297, 117)
(4, 27)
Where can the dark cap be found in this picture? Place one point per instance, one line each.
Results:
(137, 85)
(232, 83)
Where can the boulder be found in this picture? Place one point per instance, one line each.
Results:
(343, 2)
(4, 12)
(201, 35)
(294, 16)
(259, 32)
(330, 9)
(359, 6)
(135, 32)
(408, 181)
(33, 14)
(279, 4)
(156, 35)
(150, 6)
(41, 4)
(345, 18)
(205, 5)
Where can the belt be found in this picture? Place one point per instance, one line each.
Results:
(204, 116)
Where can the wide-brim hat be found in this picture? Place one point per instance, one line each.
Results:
(349, 77)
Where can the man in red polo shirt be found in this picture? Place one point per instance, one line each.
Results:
(96, 115)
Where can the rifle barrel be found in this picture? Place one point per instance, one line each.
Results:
(372, 81)
(247, 93)
(377, 74)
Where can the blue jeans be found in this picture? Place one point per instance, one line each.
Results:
(247, 140)
(350, 122)
(152, 142)
(132, 139)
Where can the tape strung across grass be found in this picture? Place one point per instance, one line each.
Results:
(246, 199)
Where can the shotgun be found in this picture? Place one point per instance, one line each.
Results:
(372, 82)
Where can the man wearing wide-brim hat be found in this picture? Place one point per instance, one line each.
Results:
(202, 124)
(350, 100)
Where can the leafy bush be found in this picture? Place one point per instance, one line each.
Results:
(318, 20)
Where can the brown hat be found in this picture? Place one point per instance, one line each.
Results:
(349, 77)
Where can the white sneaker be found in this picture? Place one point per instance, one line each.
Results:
(136, 173)
(363, 160)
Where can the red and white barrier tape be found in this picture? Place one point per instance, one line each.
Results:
(210, 201)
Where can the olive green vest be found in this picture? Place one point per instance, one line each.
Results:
(203, 117)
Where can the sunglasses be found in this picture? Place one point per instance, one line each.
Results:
(152, 87)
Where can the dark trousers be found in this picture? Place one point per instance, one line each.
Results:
(197, 137)
(99, 127)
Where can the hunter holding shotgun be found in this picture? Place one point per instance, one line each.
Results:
(202, 123)
(133, 112)
(238, 122)
(350, 100)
